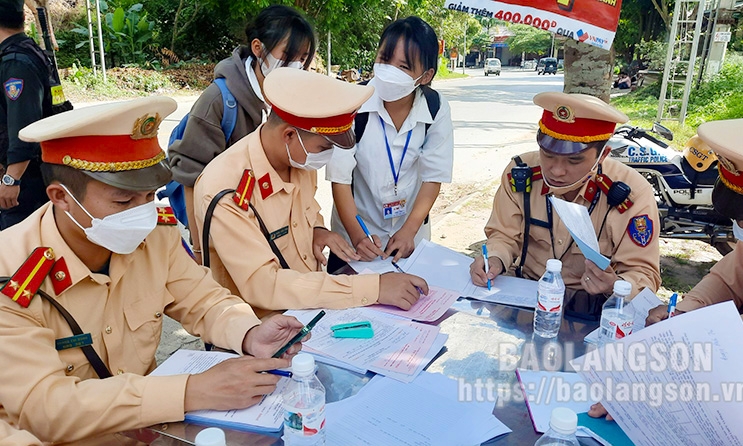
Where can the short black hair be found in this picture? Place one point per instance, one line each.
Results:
(727, 203)
(75, 180)
(10, 18)
(278, 22)
(421, 43)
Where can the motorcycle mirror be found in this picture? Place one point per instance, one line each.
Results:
(663, 131)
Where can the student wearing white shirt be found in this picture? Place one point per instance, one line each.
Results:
(393, 175)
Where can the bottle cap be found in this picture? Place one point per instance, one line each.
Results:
(564, 420)
(622, 287)
(554, 265)
(211, 436)
(303, 364)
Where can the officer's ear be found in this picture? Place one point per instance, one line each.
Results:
(58, 196)
(288, 133)
(603, 153)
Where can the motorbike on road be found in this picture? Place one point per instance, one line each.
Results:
(682, 183)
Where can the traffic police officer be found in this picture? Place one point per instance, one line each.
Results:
(572, 164)
(88, 278)
(265, 244)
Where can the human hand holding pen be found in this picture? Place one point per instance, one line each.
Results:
(486, 262)
(369, 247)
(660, 313)
(477, 270)
(401, 290)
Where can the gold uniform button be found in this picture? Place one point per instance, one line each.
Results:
(108, 330)
(364, 301)
(70, 368)
(294, 223)
(158, 314)
(60, 276)
(559, 242)
(119, 372)
(304, 256)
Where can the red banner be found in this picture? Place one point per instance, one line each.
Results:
(590, 21)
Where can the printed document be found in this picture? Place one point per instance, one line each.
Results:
(425, 411)
(428, 308)
(674, 382)
(267, 416)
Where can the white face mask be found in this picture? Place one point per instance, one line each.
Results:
(121, 232)
(392, 83)
(314, 161)
(562, 190)
(271, 63)
(737, 231)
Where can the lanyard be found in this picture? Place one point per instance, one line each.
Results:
(395, 174)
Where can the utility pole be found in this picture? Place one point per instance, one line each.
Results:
(464, 48)
(330, 71)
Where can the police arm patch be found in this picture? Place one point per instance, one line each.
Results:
(13, 88)
(640, 230)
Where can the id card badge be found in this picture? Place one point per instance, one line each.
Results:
(394, 207)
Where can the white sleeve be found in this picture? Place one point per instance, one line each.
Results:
(437, 154)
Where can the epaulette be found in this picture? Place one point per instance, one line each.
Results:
(166, 216)
(604, 183)
(25, 282)
(244, 190)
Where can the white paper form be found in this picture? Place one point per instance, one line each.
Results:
(391, 413)
(545, 391)
(507, 290)
(267, 416)
(398, 347)
(428, 308)
(578, 222)
(688, 400)
(645, 301)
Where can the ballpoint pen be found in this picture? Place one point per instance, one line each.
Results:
(302, 333)
(485, 258)
(672, 305)
(363, 226)
(279, 372)
(399, 270)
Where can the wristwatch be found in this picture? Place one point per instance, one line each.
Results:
(10, 181)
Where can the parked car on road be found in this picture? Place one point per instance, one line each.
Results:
(547, 65)
(492, 66)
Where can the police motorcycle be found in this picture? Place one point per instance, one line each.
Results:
(682, 182)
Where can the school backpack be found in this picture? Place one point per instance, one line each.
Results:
(174, 190)
(432, 99)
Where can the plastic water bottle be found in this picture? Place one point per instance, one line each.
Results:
(550, 295)
(617, 320)
(304, 405)
(563, 424)
(211, 436)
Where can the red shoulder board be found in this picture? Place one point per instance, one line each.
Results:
(266, 186)
(244, 190)
(165, 216)
(591, 189)
(60, 275)
(623, 206)
(28, 279)
(604, 183)
(536, 173)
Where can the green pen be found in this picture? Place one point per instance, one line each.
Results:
(302, 333)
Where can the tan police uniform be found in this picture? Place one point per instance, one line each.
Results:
(14, 437)
(725, 280)
(56, 394)
(241, 257)
(629, 233)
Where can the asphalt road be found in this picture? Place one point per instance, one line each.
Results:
(494, 119)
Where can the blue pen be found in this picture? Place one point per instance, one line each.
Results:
(485, 258)
(399, 270)
(363, 226)
(279, 373)
(672, 305)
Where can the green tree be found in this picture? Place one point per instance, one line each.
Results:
(528, 39)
